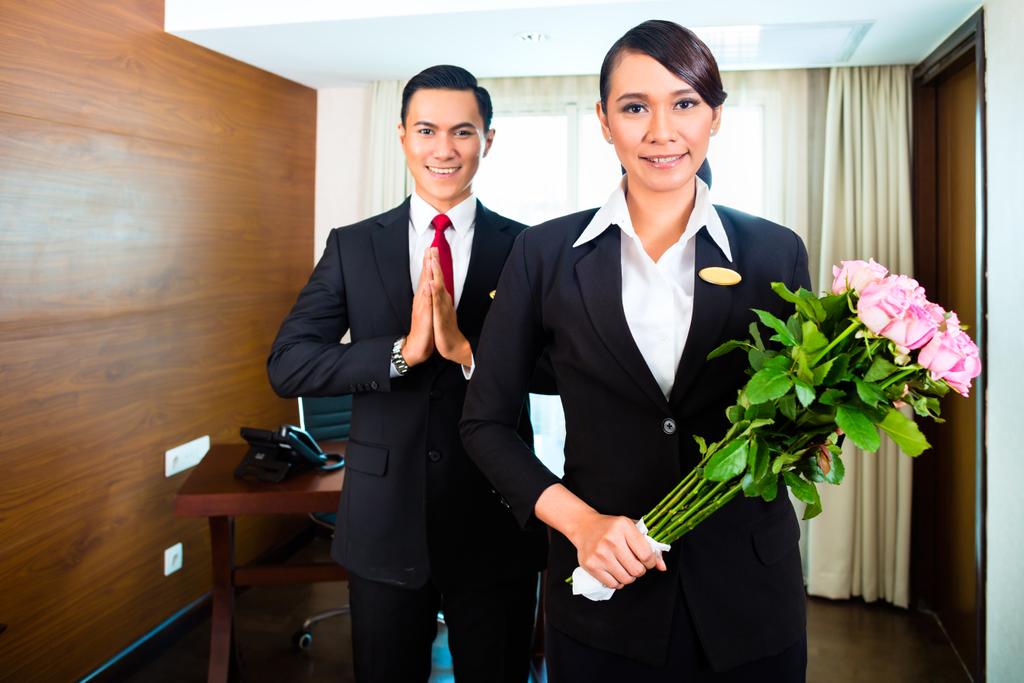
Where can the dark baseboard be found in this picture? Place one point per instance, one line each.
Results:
(164, 636)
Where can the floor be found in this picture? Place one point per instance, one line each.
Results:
(847, 641)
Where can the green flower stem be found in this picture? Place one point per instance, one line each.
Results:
(671, 500)
(691, 512)
(719, 502)
(846, 333)
(899, 375)
(672, 512)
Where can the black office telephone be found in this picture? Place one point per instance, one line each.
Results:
(272, 455)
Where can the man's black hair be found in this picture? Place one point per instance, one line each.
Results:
(448, 77)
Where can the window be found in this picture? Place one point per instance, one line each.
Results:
(542, 166)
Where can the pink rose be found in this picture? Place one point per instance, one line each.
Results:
(896, 308)
(951, 356)
(856, 275)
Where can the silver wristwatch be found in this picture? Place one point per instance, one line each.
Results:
(396, 356)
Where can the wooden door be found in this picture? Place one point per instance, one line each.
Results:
(947, 566)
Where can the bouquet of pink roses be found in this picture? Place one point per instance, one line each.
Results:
(846, 363)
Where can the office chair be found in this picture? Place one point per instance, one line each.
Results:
(326, 419)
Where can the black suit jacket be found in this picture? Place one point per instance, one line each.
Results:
(413, 505)
(626, 445)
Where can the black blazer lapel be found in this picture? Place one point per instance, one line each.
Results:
(391, 251)
(491, 244)
(599, 276)
(711, 307)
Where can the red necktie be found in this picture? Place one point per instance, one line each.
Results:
(441, 223)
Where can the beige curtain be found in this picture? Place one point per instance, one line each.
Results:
(793, 109)
(860, 544)
(390, 181)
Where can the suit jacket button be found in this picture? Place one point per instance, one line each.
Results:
(434, 456)
(668, 425)
(435, 394)
(373, 385)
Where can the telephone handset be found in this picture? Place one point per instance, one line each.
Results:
(273, 454)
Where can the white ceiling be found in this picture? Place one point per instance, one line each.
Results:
(325, 43)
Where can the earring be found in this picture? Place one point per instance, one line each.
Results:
(609, 138)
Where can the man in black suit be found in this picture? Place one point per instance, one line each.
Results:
(419, 528)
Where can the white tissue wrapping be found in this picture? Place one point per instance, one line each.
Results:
(586, 585)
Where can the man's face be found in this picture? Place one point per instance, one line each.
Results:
(443, 138)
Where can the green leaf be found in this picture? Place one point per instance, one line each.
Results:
(880, 369)
(838, 471)
(768, 384)
(770, 488)
(734, 413)
(751, 487)
(822, 371)
(858, 426)
(926, 406)
(702, 445)
(904, 432)
(755, 334)
(782, 332)
(793, 325)
(832, 397)
(804, 392)
(728, 462)
(840, 365)
(725, 348)
(870, 393)
(787, 406)
(757, 459)
(756, 358)
(813, 339)
(805, 491)
(761, 411)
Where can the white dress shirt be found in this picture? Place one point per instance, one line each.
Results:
(459, 236)
(657, 296)
(460, 239)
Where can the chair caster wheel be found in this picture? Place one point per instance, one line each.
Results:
(303, 640)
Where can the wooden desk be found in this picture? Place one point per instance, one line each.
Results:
(211, 490)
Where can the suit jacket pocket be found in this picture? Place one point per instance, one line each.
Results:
(366, 458)
(776, 536)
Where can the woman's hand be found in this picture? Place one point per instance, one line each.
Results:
(611, 549)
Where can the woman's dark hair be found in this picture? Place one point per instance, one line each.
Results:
(676, 48)
(448, 77)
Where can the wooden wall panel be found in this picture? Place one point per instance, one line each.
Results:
(156, 222)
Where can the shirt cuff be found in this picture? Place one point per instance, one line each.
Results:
(468, 372)
(394, 371)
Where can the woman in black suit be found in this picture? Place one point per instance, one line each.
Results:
(621, 302)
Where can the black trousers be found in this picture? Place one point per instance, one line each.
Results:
(570, 661)
(490, 630)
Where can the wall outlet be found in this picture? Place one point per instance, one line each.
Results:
(173, 559)
(186, 455)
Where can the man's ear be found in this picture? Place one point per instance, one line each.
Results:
(488, 140)
(401, 133)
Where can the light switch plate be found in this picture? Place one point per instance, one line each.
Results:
(186, 455)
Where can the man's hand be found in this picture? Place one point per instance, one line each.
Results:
(419, 343)
(448, 338)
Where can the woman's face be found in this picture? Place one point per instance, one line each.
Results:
(658, 123)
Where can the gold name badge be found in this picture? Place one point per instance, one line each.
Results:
(720, 276)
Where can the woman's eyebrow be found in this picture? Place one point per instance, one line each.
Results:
(643, 96)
